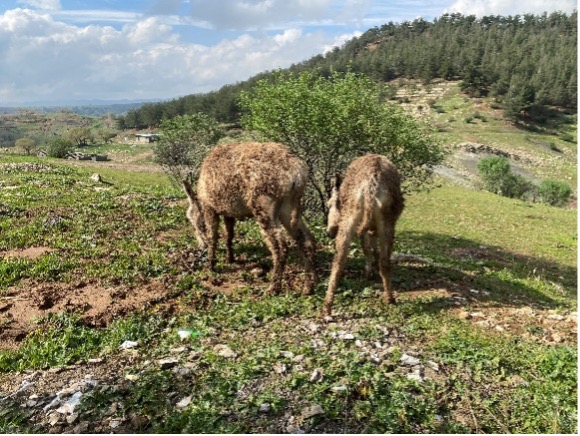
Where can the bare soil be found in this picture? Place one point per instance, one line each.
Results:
(21, 306)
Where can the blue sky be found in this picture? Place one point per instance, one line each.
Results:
(65, 50)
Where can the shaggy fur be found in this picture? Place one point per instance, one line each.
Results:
(367, 204)
(264, 181)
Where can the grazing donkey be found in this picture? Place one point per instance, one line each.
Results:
(367, 203)
(264, 181)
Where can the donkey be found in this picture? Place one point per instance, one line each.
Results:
(367, 203)
(260, 180)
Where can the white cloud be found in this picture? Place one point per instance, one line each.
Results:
(481, 8)
(42, 59)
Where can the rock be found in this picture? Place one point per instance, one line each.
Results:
(225, 351)
(346, 336)
(257, 272)
(340, 388)
(54, 403)
(287, 354)
(358, 343)
(184, 403)
(96, 178)
(128, 345)
(69, 407)
(311, 411)
(178, 350)
(280, 368)
(464, 315)
(139, 421)
(313, 327)
(415, 376)
(115, 423)
(81, 428)
(265, 408)
(53, 418)
(499, 328)
(97, 360)
(556, 317)
(72, 418)
(298, 358)
(409, 360)
(132, 377)
(434, 366)
(31, 403)
(316, 375)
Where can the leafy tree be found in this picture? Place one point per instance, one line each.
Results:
(498, 178)
(184, 142)
(26, 144)
(554, 192)
(59, 147)
(105, 136)
(330, 121)
(80, 136)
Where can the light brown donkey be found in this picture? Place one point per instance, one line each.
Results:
(261, 180)
(367, 203)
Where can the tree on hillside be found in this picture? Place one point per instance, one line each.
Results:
(184, 142)
(26, 144)
(79, 136)
(330, 121)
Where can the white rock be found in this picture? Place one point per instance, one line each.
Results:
(132, 377)
(414, 376)
(280, 368)
(68, 408)
(316, 375)
(53, 418)
(346, 336)
(340, 388)
(129, 344)
(433, 365)
(184, 402)
(265, 407)
(168, 363)
(409, 360)
(287, 354)
(115, 423)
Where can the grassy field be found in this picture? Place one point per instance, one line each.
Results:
(483, 338)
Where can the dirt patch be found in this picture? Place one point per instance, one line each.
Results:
(29, 253)
(98, 306)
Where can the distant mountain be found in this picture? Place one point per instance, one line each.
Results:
(92, 107)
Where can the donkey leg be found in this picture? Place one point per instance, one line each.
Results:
(369, 246)
(386, 236)
(343, 240)
(271, 230)
(229, 224)
(212, 222)
(306, 243)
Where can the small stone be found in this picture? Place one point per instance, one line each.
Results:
(358, 343)
(184, 402)
(97, 360)
(31, 403)
(56, 370)
(409, 360)
(138, 421)
(313, 327)
(225, 351)
(341, 388)
(474, 291)
(415, 376)
(72, 418)
(265, 408)
(81, 428)
(127, 345)
(499, 328)
(464, 315)
(168, 363)
(96, 178)
(53, 418)
(346, 337)
(132, 377)
(556, 317)
(309, 412)
(115, 423)
(280, 368)
(178, 350)
(298, 358)
(257, 272)
(316, 375)
(433, 365)
(287, 354)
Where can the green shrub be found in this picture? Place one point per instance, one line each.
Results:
(498, 178)
(554, 192)
(59, 148)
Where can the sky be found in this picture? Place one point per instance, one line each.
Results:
(74, 50)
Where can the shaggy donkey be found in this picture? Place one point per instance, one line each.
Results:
(264, 181)
(367, 203)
